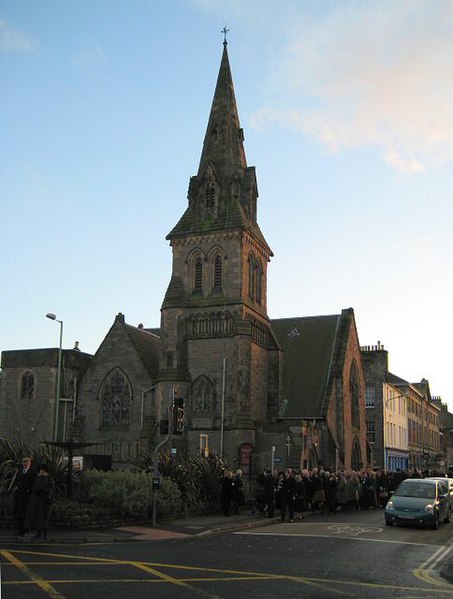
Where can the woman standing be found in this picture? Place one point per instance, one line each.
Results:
(41, 499)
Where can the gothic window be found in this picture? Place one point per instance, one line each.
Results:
(198, 279)
(210, 195)
(356, 456)
(116, 399)
(27, 385)
(252, 273)
(202, 395)
(354, 395)
(259, 282)
(218, 273)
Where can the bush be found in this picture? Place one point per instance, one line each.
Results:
(130, 493)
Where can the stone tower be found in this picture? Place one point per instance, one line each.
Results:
(217, 345)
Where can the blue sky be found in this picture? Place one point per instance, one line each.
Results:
(347, 109)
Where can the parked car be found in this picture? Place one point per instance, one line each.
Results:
(449, 482)
(420, 501)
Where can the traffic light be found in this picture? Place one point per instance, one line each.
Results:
(177, 414)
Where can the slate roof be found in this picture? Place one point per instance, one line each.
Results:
(309, 346)
(147, 346)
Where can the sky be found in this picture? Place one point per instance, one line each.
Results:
(347, 111)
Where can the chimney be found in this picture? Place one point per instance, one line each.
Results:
(76, 346)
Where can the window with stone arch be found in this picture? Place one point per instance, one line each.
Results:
(210, 194)
(259, 282)
(198, 275)
(354, 393)
(27, 385)
(202, 395)
(116, 397)
(218, 273)
(252, 276)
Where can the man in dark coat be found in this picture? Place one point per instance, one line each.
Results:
(288, 492)
(41, 499)
(25, 477)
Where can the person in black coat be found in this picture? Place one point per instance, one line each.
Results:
(288, 493)
(227, 491)
(40, 503)
(24, 479)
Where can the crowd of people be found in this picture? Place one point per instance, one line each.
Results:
(293, 493)
(34, 490)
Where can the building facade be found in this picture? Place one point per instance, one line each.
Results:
(258, 392)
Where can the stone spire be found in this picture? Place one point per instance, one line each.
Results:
(223, 143)
(223, 194)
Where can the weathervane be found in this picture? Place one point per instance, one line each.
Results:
(225, 31)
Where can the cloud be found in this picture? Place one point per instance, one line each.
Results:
(12, 40)
(89, 56)
(370, 74)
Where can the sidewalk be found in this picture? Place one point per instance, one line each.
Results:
(172, 529)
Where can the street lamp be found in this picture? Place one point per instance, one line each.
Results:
(57, 396)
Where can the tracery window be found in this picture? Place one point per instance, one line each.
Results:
(27, 385)
(116, 399)
(202, 395)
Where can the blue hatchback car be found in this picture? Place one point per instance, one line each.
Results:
(419, 501)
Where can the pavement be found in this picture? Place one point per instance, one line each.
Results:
(172, 529)
(197, 526)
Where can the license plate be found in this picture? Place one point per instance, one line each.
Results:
(407, 516)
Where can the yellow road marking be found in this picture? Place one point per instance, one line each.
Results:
(43, 584)
(234, 575)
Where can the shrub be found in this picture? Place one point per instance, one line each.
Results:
(130, 492)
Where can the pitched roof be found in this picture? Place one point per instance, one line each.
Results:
(309, 345)
(147, 346)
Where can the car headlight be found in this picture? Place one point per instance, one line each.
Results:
(389, 506)
(429, 508)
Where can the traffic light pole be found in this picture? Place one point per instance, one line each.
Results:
(156, 476)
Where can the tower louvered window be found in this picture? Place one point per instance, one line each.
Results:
(210, 195)
(259, 282)
(198, 280)
(218, 273)
(252, 273)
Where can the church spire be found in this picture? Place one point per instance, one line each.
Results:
(223, 143)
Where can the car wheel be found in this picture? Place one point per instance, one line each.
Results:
(435, 526)
(448, 518)
(389, 523)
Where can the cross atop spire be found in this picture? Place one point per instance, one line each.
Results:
(225, 31)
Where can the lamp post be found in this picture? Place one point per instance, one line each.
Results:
(57, 395)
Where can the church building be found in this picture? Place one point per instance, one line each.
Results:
(258, 392)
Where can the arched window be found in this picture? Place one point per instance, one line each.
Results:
(252, 274)
(354, 395)
(27, 385)
(210, 195)
(202, 395)
(356, 456)
(218, 273)
(116, 399)
(198, 278)
(259, 282)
